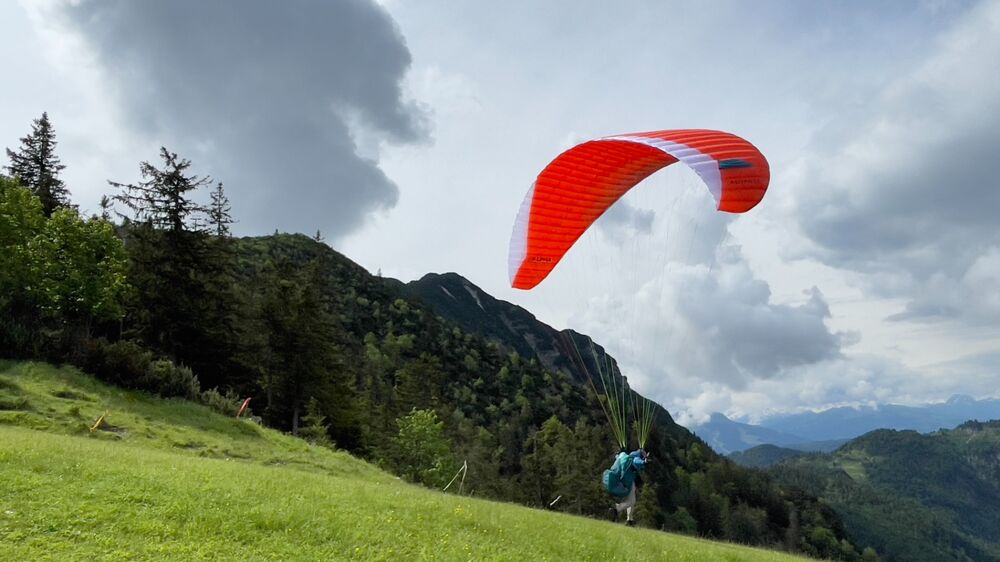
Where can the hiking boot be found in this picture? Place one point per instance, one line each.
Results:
(630, 523)
(612, 514)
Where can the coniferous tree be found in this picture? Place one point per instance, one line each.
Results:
(314, 427)
(37, 167)
(105, 205)
(163, 198)
(219, 210)
(171, 257)
(224, 324)
(303, 351)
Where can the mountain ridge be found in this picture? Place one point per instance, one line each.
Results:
(729, 436)
(913, 496)
(827, 429)
(849, 422)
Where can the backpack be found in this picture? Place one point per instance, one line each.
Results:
(613, 476)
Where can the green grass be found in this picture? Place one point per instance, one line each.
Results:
(853, 463)
(173, 480)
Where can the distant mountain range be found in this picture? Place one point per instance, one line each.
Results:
(847, 423)
(828, 429)
(727, 436)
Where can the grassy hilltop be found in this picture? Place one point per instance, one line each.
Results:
(169, 479)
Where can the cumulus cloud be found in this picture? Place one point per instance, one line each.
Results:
(980, 371)
(858, 380)
(269, 98)
(623, 219)
(908, 195)
(716, 323)
(686, 317)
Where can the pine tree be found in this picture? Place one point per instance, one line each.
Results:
(163, 198)
(37, 167)
(105, 205)
(219, 212)
(314, 427)
(172, 260)
(302, 345)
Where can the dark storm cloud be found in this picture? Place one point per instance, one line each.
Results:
(911, 196)
(267, 97)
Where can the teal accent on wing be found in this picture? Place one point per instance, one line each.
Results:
(734, 163)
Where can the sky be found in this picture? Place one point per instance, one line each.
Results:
(407, 133)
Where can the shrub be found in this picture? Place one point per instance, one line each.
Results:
(420, 452)
(129, 365)
(18, 340)
(682, 522)
(226, 404)
(122, 363)
(168, 380)
(314, 427)
(14, 403)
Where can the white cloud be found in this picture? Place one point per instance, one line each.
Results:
(909, 195)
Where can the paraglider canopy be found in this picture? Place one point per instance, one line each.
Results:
(582, 183)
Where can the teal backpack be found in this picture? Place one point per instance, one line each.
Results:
(613, 476)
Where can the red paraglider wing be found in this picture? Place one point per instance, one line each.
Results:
(582, 183)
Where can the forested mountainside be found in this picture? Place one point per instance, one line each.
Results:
(910, 495)
(460, 301)
(763, 456)
(529, 434)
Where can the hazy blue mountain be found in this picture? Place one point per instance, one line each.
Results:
(847, 422)
(826, 430)
(727, 436)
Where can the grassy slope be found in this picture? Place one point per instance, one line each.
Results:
(174, 480)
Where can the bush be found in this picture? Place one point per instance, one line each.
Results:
(314, 427)
(14, 403)
(122, 363)
(226, 404)
(17, 340)
(681, 521)
(168, 380)
(420, 452)
(129, 365)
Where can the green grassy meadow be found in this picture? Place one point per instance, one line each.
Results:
(168, 479)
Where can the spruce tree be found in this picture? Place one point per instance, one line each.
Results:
(162, 199)
(37, 167)
(219, 217)
(172, 261)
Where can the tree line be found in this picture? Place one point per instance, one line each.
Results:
(154, 293)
